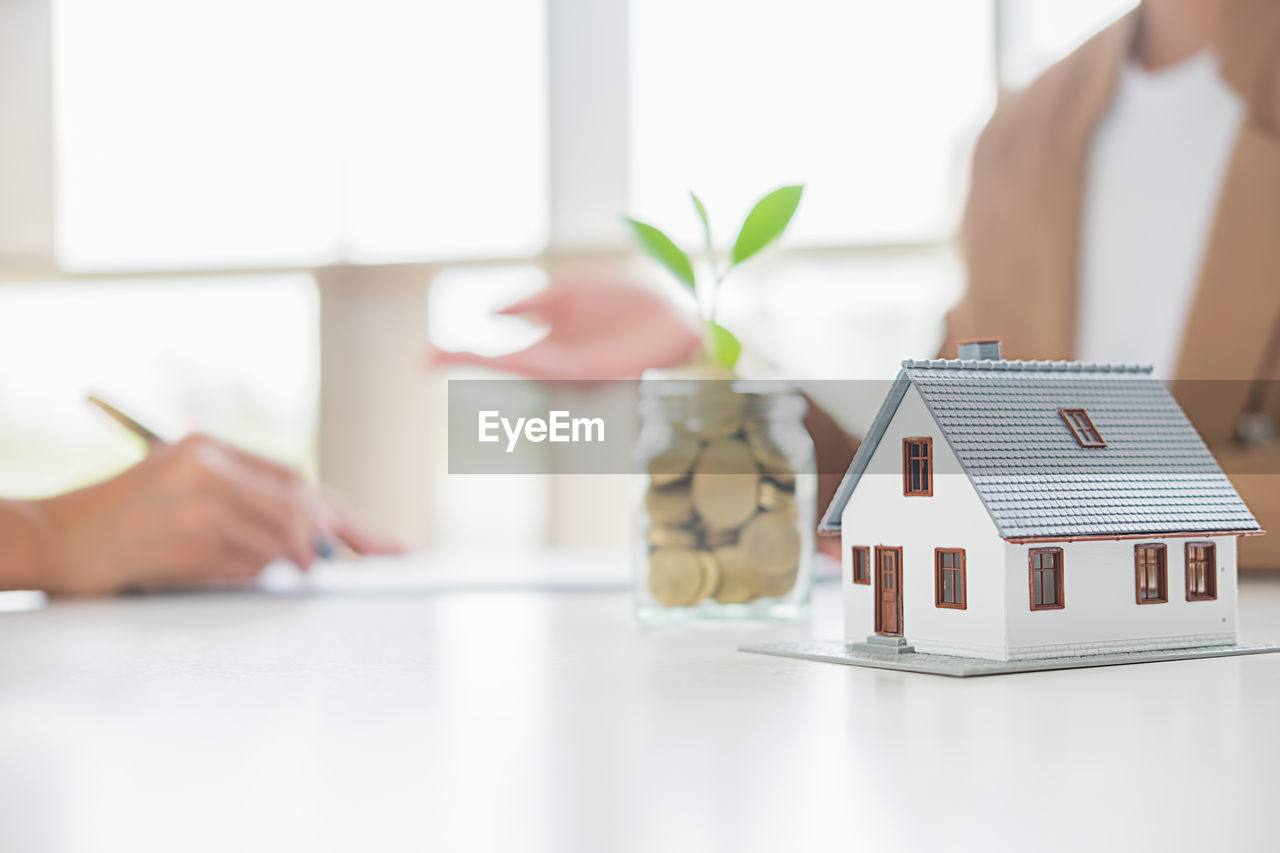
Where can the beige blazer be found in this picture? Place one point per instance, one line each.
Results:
(1021, 234)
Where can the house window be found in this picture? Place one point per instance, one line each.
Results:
(1046, 578)
(1202, 567)
(917, 467)
(1151, 574)
(948, 577)
(861, 564)
(1082, 428)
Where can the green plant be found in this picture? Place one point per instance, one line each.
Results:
(765, 223)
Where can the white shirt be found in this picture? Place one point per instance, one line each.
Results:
(1155, 168)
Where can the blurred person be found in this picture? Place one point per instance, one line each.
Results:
(1125, 207)
(595, 331)
(193, 511)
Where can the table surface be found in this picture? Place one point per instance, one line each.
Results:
(520, 720)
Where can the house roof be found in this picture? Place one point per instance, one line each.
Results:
(1155, 476)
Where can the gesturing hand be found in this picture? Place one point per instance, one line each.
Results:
(198, 509)
(595, 331)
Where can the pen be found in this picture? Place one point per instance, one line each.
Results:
(323, 549)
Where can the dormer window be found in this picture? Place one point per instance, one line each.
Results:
(1082, 428)
(917, 467)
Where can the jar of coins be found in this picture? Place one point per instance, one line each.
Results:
(725, 509)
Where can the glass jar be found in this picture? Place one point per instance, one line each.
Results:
(725, 511)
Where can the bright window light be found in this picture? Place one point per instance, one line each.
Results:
(234, 356)
(447, 129)
(277, 132)
(464, 302)
(461, 317)
(734, 97)
(1037, 33)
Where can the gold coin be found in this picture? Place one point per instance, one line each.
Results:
(672, 505)
(723, 426)
(788, 487)
(737, 581)
(776, 585)
(717, 411)
(664, 535)
(772, 458)
(710, 575)
(714, 406)
(725, 484)
(772, 543)
(674, 462)
(676, 576)
(786, 479)
(720, 538)
(774, 497)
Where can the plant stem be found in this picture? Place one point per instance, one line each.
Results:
(715, 290)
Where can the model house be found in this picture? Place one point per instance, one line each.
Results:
(1031, 509)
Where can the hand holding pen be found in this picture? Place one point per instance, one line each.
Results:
(323, 540)
(197, 509)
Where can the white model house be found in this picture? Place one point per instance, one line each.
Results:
(1030, 509)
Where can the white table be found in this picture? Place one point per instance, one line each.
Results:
(536, 720)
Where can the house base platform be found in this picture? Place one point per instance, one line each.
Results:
(862, 654)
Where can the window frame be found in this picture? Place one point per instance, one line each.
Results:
(1211, 571)
(865, 551)
(961, 573)
(1058, 586)
(1085, 434)
(927, 458)
(1162, 572)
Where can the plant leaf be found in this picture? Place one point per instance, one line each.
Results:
(721, 345)
(702, 214)
(766, 221)
(660, 247)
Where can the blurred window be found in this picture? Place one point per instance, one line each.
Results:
(1034, 34)
(286, 132)
(234, 356)
(731, 98)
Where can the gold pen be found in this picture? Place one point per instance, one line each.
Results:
(323, 549)
(148, 435)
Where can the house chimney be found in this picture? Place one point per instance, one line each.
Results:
(980, 349)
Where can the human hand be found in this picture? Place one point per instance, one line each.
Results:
(196, 510)
(595, 331)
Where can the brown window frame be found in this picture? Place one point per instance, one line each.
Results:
(1162, 573)
(1211, 571)
(963, 582)
(907, 469)
(1059, 571)
(865, 550)
(1086, 434)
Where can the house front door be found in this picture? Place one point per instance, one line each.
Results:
(889, 591)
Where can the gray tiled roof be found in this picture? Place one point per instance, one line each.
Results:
(1000, 418)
